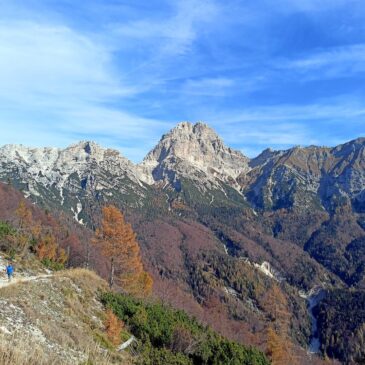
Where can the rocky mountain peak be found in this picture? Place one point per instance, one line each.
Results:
(195, 143)
(188, 148)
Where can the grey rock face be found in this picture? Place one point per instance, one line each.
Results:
(69, 177)
(312, 177)
(195, 152)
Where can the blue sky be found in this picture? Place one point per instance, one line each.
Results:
(263, 73)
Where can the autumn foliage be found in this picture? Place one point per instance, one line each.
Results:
(275, 304)
(279, 347)
(118, 243)
(31, 234)
(275, 348)
(47, 248)
(113, 327)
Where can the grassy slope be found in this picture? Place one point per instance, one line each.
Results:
(55, 320)
(58, 319)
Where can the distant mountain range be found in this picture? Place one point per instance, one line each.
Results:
(208, 218)
(304, 178)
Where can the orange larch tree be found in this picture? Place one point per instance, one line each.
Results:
(42, 239)
(118, 243)
(279, 344)
(113, 326)
(47, 247)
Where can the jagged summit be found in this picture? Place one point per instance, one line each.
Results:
(199, 128)
(195, 151)
(186, 133)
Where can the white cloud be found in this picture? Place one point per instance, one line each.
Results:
(54, 79)
(329, 63)
(174, 34)
(41, 62)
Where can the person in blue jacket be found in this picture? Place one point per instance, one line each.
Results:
(9, 271)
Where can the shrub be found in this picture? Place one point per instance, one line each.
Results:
(6, 229)
(156, 356)
(52, 265)
(170, 336)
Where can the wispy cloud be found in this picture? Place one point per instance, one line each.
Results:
(56, 72)
(68, 82)
(332, 62)
(175, 34)
(43, 62)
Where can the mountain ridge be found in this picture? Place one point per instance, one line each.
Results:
(195, 154)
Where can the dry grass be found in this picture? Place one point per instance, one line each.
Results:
(88, 279)
(20, 350)
(65, 311)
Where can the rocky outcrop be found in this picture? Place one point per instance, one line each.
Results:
(195, 152)
(52, 166)
(62, 177)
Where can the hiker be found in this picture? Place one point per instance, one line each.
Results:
(9, 271)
